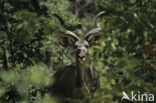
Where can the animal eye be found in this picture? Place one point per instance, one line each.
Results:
(87, 46)
(75, 46)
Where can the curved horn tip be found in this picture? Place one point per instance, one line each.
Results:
(102, 12)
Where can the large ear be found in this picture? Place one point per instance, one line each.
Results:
(67, 41)
(96, 37)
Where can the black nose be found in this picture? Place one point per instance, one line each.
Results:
(81, 57)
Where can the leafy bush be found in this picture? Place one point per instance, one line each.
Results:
(30, 36)
(26, 84)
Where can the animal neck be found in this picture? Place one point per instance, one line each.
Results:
(81, 65)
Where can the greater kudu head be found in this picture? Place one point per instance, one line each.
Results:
(81, 45)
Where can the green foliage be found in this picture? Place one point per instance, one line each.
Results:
(26, 82)
(30, 36)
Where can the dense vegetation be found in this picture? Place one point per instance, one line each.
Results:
(125, 56)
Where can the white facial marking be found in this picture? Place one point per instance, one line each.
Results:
(82, 49)
(84, 58)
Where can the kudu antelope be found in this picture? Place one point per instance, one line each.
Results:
(76, 81)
